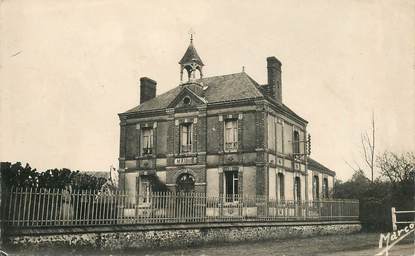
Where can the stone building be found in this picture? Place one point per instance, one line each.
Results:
(220, 135)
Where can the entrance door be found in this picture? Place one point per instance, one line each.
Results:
(185, 211)
(185, 183)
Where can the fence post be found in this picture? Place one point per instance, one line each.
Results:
(2, 195)
(394, 226)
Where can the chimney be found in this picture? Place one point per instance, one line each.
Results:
(274, 78)
(147, 89)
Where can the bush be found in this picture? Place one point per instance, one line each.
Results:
(17, 175)
(395, 188)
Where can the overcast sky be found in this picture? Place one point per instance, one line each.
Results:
(68, 67)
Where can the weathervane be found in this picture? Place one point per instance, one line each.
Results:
(191, 33)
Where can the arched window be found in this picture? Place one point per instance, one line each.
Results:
(296, 142)
(325, 188)
(297, 189)
(316, 188)
(281, 186)
(185, 183)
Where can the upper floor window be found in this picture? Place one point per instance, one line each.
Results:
(325, 188)
(231, 186)
(231, 135)
(186, 137)
(279, 137)
(281, 186)
(296, 142)
(147, 141)
(316, 188)
(297, 189)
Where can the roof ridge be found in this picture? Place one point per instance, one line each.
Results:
(208, 77)
(255, 83)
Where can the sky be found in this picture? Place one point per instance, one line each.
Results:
(68, 67)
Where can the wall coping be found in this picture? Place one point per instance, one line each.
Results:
(36, 231)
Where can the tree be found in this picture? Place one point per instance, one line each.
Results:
(368, 147)
(394, 188)
(397, 167)
(18, 176)
(85, 181)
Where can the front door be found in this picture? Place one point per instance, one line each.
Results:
(185, 198)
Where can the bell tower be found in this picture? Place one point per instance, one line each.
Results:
(192, 63)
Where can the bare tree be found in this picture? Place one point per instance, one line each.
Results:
(397, 168)
(368, 146)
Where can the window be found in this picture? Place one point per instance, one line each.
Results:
(186, 101)
(297, 189)
(296, 143)
(325, 188)
(288, 138)
(231, 186)
(144, 190)
(231, 135)
(281, 185)
(316, 188)
(186, 138)
(279, 137)
(147, 141)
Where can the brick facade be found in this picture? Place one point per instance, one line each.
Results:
(264, 145)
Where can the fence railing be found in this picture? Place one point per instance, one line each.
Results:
(57, 207)
(407, 217)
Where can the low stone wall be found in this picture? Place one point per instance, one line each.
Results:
(169, 236)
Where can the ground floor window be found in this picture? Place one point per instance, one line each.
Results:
(325, 188)
(231, 186)
(281, 185)
(316, 188)
(144, 189)
(297, 189)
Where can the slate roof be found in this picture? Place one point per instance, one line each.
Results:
(191, 55)
(314, 165)
(219, 89)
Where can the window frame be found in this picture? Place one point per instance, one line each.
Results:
(144, 192)
(281, 186)
(325, 186)
(296, 143)
(188, 147)
(316, 187)
(231, 197)
(145, 151)
(297, 189)
(230, 146)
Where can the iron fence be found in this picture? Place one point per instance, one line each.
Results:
(27, 207)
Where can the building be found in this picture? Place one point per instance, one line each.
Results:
(221, 135)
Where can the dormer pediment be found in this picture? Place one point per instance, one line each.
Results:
(187, 99)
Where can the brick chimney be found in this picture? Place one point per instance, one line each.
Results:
(147, 89)
(274, 78)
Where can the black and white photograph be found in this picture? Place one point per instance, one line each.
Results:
(207, 128)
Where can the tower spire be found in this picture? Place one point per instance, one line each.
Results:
(191, 62)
